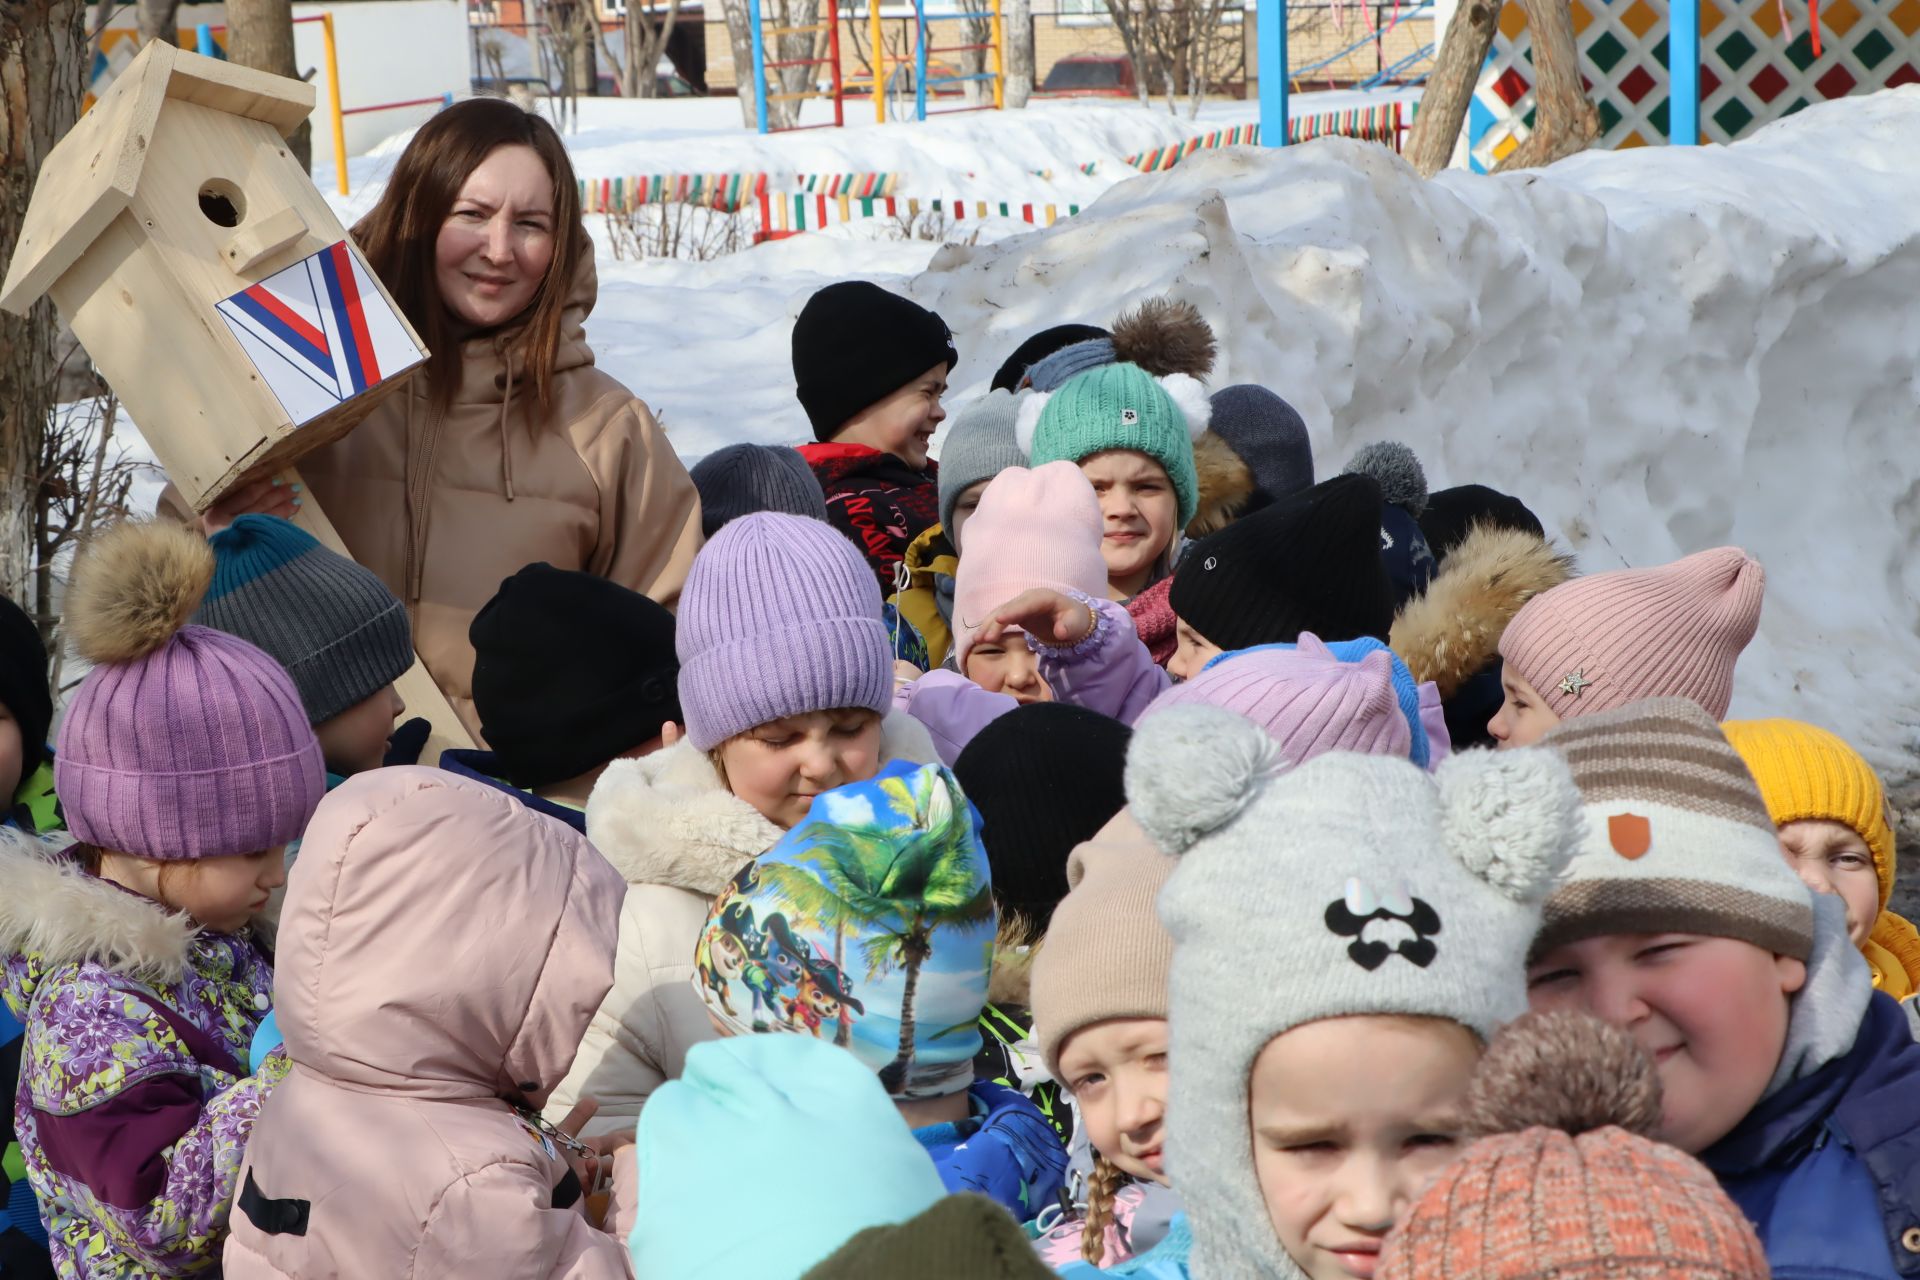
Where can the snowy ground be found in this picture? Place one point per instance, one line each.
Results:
(1659, 350)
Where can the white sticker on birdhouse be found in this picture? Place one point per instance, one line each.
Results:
(320, 332)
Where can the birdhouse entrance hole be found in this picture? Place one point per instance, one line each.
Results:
(222, 203)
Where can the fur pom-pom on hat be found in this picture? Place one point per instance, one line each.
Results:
(1397, 470)
(1191, 770)
(1565, 1071)
(1511, 817)
(134, 587)
(1165, 336)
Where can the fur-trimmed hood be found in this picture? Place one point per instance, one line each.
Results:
(668, 819)
(1453, 630)
(1225, 482)
(53, 913)
(1012, 982)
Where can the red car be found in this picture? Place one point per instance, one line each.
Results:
(1090, 75)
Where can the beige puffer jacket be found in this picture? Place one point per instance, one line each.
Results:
(442, 950)
(669, 825)
(445, 506)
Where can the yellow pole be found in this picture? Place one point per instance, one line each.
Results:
(333, 88)
(879, 60)
(999, 59)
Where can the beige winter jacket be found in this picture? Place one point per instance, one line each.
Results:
(669, 825)
(442, 950)
(444, 506)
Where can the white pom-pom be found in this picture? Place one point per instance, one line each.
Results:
(1191, 770)
(1190, 395)
(1028, 419)
(1512, 818)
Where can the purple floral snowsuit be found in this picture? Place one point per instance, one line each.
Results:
(134, 1105)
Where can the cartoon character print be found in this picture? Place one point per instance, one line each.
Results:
(720, 958)
(823, 991)
(736, 918)
(1384, 924)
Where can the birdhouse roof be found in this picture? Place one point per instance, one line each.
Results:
(92, 173)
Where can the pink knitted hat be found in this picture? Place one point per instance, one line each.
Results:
(182, 742)
(1306, 699)
(1038, 528)
(1674, 631)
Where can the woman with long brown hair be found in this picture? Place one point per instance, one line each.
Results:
(509, 447)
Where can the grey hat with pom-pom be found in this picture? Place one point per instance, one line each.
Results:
(1349, 885)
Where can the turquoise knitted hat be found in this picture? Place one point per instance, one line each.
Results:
(1121, 406)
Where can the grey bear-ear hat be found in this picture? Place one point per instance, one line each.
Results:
(1349, 885)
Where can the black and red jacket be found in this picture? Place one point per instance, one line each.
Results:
(877, 500)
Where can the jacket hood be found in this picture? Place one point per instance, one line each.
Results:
(53, 913)
(407, 875)
(1453, 630)
(929, 554)
(1225, 483)
(668, 818)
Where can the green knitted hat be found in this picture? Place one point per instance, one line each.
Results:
(1121, 406)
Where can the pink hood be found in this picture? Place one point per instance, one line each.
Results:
(442, 941)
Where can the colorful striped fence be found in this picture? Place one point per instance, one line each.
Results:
(1378, 123)
(727, 192)
(790, 214)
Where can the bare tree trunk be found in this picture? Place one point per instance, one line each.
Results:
(1121, 11)
(1016, 19)
(157, 21)
(1443, 107)
(43, 75)
(586, 37)
(740, 40)
(260, 35)
(1564, 122)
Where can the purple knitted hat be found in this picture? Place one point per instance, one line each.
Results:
(182, 742)
(1306, 699)
(780, 616)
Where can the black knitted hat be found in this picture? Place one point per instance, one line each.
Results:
(1038, 348)
(855, 344)
(23, 686)
(1452, 513)
(1045, 777)
(1310, 562)
(569, 672)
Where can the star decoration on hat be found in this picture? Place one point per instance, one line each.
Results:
(1574, 683)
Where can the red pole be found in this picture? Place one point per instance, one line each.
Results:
(833, 46)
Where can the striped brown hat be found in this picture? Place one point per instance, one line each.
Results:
(1677, 837)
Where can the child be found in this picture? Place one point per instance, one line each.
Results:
(1608, 639)
(1493, 557)
(741, 479)
(26, 712)
(785, 680)
(1132, 435)
(1782, 1069)
(1347, 936)
(407, 1142)
(1568, 1181)
(1100, 1008)
(871, 925)
(870, 368)
(978, 446)
(332, 624)
(1832, 816)
(1045, 779)
(570, 673)
(185, 765)
(1309, 562)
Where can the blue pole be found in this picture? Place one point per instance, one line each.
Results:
(1683, 73)
(1272, 53)
(759, 65)
(209, 47)
(920, 61)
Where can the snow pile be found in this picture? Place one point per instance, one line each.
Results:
(1659, 350)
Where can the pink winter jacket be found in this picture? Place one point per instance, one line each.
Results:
(442, 948)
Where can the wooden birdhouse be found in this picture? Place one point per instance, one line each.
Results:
(205, 275)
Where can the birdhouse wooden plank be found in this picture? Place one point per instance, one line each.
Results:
(207, 278)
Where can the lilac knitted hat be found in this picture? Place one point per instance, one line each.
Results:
(780, 616)
(183, 742)
(1306, 699)
(1673, 631)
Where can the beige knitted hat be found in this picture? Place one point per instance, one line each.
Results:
(1106, 953)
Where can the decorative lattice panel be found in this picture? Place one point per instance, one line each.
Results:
(1755, 66)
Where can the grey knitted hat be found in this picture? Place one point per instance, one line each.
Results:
(331, 623)
(744, 478)
(1054, 372)
(979, 446)
(1349, 885)
(1269, 435)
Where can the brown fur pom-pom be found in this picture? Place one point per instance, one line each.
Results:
(134, 586)
(1163, 336)
(1565, 1071)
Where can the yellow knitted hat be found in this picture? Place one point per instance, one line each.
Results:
(1804, 772)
